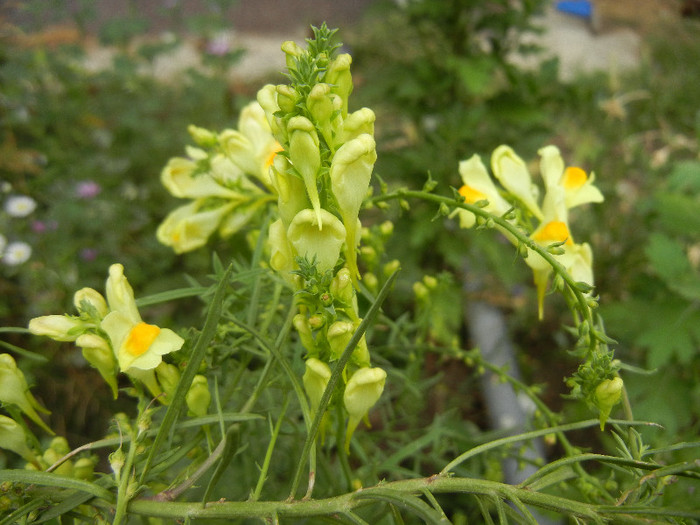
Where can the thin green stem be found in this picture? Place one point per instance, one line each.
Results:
(268, 453)
(519, 235)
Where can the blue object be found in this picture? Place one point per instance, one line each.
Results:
(582, 8)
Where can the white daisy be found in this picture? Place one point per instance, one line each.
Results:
(17, 253)
(19, 206)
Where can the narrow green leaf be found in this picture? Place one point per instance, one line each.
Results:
(198, 352)
(49, 479)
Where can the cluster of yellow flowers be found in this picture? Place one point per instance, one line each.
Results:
(565, 188)
(111, 334)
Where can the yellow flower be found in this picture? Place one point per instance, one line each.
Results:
(189, 227)
(252, 147)
(310, 241)
(513, 174)
(578, 187)
(181, 179)
(350, 173)
(315, 380)
(478, 186)
(135, 343)
(363, 390)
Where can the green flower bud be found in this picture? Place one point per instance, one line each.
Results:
(339, 335)
(12, 438)
(607, 395)
(120, 294)
(315, 380)
(291, 190)
(301, 323)
(98, 352)
(202, 136)
(168, 376)
(339, 77)
(341, 287)
(287, 98)
(391, 267)
(281, 256)
(305, 156)
(84, 468)
(292, 50)
(310, 241)
(320, 104)
(362, 391)
(57, 327)
(60, 445)
(358, 123)
(267, 98)
(371, 282)
(52, 456)
(15, 391)
(198, 396)
(386, 228)
(93, 299)
(350, 174)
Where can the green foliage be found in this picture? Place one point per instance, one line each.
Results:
(259, 447)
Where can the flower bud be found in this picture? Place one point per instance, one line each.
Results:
(315, 380)
(52, 456)
(57, 327)
(202, 136)
(98, 352)
(301, 323)
(120, 295)
(350, 174)
(168, 376)
(287, 98)
(84, 468)
(339, 335)
(607, 395)
(87, 299)
(513, 174)
(340, 78)
(291, 191)
(310, 241)
(198, 396)
(189, 227)
(15, 391)
(305, 156)
(362, 391)
(358, 123)
(281, 256)
(267, 98)
(320, 104)
(341, 287)
(12, 438)
(292, 51)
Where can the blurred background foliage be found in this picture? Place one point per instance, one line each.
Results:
(88, 146)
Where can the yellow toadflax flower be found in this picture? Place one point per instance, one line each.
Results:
(136, 344)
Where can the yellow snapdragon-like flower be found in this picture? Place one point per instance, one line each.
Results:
(577, 185)
(565, 188)
(189, 227)
(478, 186)
(512, 173)
(252, 147)
(136, 344)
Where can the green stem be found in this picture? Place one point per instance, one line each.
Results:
(126, 478)
(520, 236)
(345, 503)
